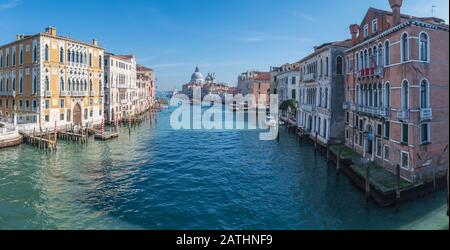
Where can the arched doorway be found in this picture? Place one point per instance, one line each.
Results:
(369, 140)
(77, 114)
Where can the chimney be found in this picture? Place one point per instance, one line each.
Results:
(51, 30)
(19, 37)
(95, 42)
(354, 31)
(395, 6)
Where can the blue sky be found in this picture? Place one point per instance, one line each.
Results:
(222, 36)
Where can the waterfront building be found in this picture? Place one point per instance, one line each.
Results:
(208, 85)
(120, 86)
(255, 83)
(396, 94)
(145, 82)
(285, 81)
(47, 78)
(321, 92)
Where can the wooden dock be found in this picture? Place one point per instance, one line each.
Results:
(106, 136)
(41, 140)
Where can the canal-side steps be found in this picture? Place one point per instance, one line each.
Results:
(385, 188)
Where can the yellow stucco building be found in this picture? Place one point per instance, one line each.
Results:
(46, 79)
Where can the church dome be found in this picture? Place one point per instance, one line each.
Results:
(197, 77)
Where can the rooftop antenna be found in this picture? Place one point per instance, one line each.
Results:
(432, 10)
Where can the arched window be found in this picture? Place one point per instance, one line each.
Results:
(375, 96)
(14, 58)
(70, 85)
(370, 96)
(69, 57)
(405, 48)
(423, 47)
(100, 87)
(34, 85)
(1, 85)
(326, 98)
(370, 61)
(14, 84)
(47, 84)
(366, 59)
(7, 59)
(61, 84)
(100, 61)
(320, 97)
(90, 59)
(20, 85)
(1, 61)
(91, 87)
(339, 65)
(379, 56)
(405, 95)
(380, 95)
(46, 53)
(357, 62)
(424, 94)
(35, 54)
(61, 55)
(21, 57)
(386, 53)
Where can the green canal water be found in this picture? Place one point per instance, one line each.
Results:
(159, 178)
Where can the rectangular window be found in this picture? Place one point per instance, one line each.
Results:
(379, 130)
(366, 30)
(425, 133)
(347, 118)
(387, 153)
(378, 147)
(374, 26)
(387, 130)
(68, 115)
(293, 94)
(47, 104)
(61, 117)
(47, 118)
(91, 113)
(360, 139)
(346, 134)
(1, 102)
(405, 133)
(62, 104)
(405, 160)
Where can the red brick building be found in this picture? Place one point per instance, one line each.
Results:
(397, 105)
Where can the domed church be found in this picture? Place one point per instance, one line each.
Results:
(197, 77)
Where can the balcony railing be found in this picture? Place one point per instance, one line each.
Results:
(102, 93)
(345, 106)
(310, 77)
(79, 93)
(64, 93)
(47, 93)
(377, 71)
(91, 93)
(308, 108)
(403, 115)
(426, 114)
(381, 112)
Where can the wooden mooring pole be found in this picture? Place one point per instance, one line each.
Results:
(397, 193)
(338, 163)
(367, 184)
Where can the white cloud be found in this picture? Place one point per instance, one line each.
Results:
(9, 4)
(305, 16)
(262, 37)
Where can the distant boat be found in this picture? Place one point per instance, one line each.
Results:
(271, 121)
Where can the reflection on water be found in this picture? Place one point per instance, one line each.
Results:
(159, 178)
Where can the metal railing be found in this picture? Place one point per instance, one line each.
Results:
(426, 114)
(403, 114)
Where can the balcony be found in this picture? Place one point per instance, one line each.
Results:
(308, 108)
(79, 93)
(64, 93)
(91, 93)
(403, 115)
(47, 93)
(426, 114)
(380, 112)
(310, 77)
(345, 106)
(102, 93)
(377, 71)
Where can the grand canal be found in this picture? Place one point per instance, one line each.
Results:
(159, 178)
